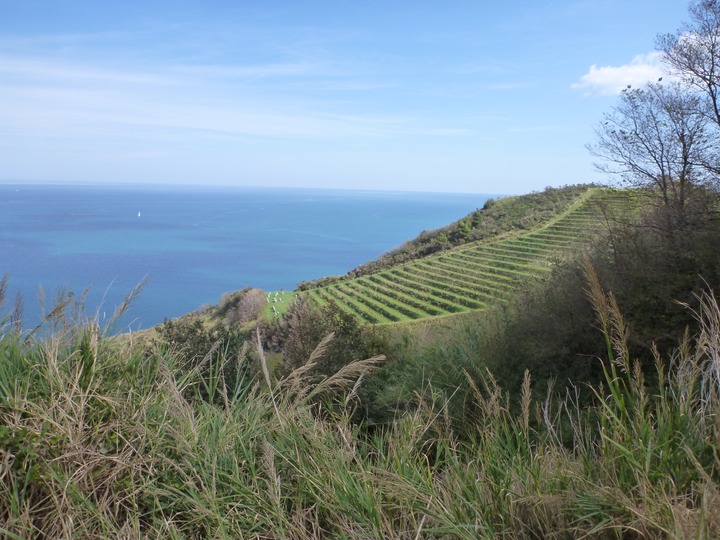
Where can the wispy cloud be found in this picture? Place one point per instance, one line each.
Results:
(59, 41)
(71, 103)
(71, 114)
(47, 70)
(609, 80)
(249, 71)
(55, 98)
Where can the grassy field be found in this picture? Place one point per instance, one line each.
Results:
(107, 438)
(277, 304)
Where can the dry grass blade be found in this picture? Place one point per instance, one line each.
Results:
(125, 304)
(266, 371)
(195, 373)
(321, 349)
(347, 375)
(611, 320)
(17, 314)
(299, 381)
(525, 399)
(596, 294)
(355, 388)
(3, 289)
(549, 419)
(706, 356)
(709, 340)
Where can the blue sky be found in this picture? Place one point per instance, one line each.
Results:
(463, 96)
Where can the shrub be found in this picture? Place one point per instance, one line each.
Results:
(305, 325)
(241, 307)
(208, 355)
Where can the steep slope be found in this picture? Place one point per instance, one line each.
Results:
(475, 275)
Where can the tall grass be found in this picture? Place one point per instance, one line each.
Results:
(107, 438)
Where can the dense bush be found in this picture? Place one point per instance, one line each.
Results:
(201, 351)
(306, 325)
(240, 307)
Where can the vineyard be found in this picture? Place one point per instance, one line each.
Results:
(474, 276)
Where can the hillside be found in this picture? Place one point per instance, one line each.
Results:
(496, 217)
(472, 264)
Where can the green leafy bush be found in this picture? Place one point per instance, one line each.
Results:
(210, 357)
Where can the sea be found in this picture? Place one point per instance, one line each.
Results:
(190, 245)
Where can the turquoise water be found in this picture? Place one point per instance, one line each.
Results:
(194, 244)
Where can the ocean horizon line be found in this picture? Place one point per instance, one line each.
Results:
(232, 187)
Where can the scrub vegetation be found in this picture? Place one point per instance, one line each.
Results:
(104, 437)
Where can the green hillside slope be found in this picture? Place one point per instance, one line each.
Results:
(474, 275)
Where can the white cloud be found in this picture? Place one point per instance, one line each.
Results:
(608, 80)
(47, 71)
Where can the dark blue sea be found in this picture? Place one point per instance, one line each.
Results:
(194, 244)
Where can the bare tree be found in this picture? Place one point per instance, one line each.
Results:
(656, 136)
(693, 53)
